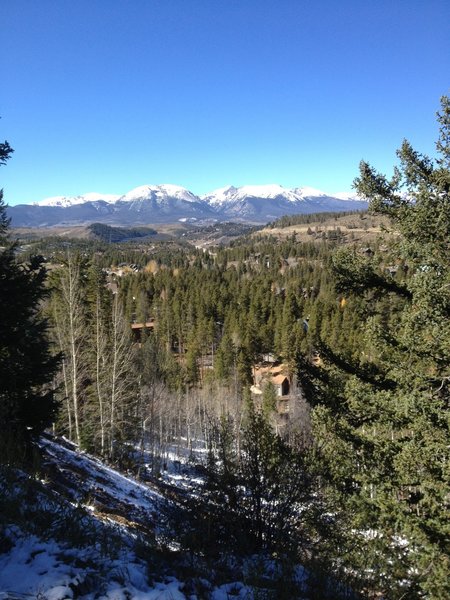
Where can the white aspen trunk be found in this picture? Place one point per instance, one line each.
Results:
(73, 347)
(74, 363)
(122, 375)
(70, 330)
(100, 349)
(64, 372)
(69, 411)
(112, 423)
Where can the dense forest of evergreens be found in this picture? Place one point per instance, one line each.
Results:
(345, 469)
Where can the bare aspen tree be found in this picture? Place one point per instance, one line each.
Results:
(100, 351)
(121, 374)
(154, 403)
(63, 374)
(71, 335)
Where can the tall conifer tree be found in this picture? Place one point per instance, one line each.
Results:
(382, 423)
(27, 405)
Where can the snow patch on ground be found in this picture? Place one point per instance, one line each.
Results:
(110, 564)
(52, 571)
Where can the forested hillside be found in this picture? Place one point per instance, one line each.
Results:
(306, 377)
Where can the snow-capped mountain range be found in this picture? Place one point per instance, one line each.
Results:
(149, 204)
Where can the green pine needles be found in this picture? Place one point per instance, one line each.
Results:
(382, 419)
(27, 366)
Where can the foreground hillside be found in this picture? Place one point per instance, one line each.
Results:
(84, 530)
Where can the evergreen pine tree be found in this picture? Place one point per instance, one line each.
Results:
(382, 423)
(27, 404)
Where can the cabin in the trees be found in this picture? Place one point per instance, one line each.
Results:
(291, 410)
(276, 374)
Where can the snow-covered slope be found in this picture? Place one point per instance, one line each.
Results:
(66, 201)
(79, 531)
(262, 203)
(308, 192)
(220, 196)
(161, 193)
(230, 196)
(350, 196)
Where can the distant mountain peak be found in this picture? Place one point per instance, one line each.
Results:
(231, 194)
(168, 203)
(159, 193)
(217, 197)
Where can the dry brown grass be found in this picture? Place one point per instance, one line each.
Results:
(358, 228)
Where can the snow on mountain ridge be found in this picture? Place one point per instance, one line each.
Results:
(168, 203)
(346, 196)
(65, 201)
(267, 191)
(218, 198)
(309, 192)
(159, 192)
(231, 194)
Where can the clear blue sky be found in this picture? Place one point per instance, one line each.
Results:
(106, 95)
